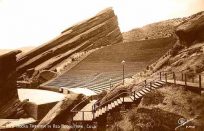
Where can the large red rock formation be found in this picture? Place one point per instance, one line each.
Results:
(10, 106)
(192, 29)
(95, 32)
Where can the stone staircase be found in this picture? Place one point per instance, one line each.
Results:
(91, 112)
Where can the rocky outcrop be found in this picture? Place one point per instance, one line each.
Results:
(95, 32)
(59, 114)
(192, 29)
(10, 106)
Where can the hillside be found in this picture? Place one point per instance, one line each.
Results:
(153, 31)
(156, 30)
(164, 108)
(160, 111)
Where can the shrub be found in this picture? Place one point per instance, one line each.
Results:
(176, 48)
(153, 98)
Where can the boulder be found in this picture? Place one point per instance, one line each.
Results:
(59, 113)
(192, 29)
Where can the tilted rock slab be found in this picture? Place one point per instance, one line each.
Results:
(59, 113)
(95, 32)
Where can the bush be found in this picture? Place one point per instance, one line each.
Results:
(176, 48)
(153, 98)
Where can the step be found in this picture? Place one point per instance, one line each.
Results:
(141, 92)
(116, 103)
(121, 98)
(128, 99)
(154, 86)
(132, 97)
(146, 91)
(100, 112)
(97, 113)
(103, 110)
(119, 101)
(157, 84)
(161, 82)
(138, 94)
(109, 107)
(112, 104)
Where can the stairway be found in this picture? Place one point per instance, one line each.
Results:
(87, 114)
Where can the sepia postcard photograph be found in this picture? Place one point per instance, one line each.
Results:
(101, 65)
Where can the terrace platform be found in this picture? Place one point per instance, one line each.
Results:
(40, 101)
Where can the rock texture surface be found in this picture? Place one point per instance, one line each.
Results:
(95, 32)
(10, 106)
(59, 113)
(192, 29)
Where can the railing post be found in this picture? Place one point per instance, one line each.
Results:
(174, 76)
(72, 116)
(181, 76)
(150, 84)
(123, 98)
(166, 77)
(193, 79)
(134, 96)
(200, 86)
(160, 75)
(83, 115)
(93, 114)
(94, 107)
(145, 83)
(185, 77)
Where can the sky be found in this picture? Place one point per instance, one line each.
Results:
(25, 23)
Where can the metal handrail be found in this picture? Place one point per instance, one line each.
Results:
(126, 92)
(111, 99)
(72, 110)
(131, 92)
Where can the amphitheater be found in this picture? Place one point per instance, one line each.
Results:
(96, 70)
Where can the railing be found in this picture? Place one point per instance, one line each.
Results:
(122, 94)
(75, 109)
(187, 78)
(144, 83)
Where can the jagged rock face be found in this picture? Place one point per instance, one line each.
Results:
(192, 29)
(95, 32)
